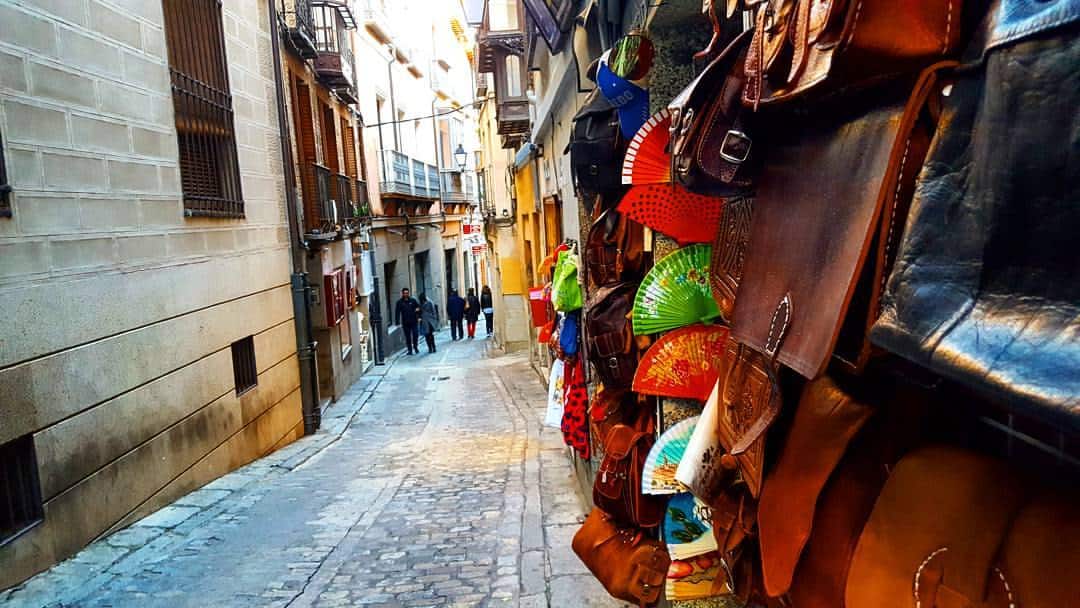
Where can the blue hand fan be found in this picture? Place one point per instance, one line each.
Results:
(688, 527)
(663, 459)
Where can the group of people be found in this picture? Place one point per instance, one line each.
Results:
(418, 318)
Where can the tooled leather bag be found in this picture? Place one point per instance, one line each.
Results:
(610, 343)
(617, 486)
(729, 253)
(802, 45)
(827, 243)
(631, 566)
(711, 145)
(614, 249)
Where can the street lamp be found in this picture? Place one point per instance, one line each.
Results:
(461, 156)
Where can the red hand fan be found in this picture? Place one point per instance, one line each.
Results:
(675, 211)
(683, 363)
(647, 160)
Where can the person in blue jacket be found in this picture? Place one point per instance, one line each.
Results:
(455, 310)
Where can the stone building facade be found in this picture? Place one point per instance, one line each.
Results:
(149, 343)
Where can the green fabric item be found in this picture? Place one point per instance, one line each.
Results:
(565, 289)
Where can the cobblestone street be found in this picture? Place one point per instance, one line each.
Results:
(431, 483)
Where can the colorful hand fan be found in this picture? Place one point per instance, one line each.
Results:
(696, 578)
(658, 476)
(675, 292)
(688, 527)
(683, 363)
(647, 160)
(675, 211)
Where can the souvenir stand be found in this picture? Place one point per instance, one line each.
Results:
(820, 338)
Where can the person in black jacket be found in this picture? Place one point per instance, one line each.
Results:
(455, 309)
(472, 311)
(407, 314)
(487, 306)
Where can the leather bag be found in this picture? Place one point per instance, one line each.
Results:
(610, 336)
(596, 147)
(803, 45)
(826, 241)
(617, 486)
(711, 138)
(729, 253)
(1041, 554)
(615, 250)
(985, 290)
(631, 566)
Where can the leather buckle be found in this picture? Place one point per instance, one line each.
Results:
(736, 147)
(613, 362)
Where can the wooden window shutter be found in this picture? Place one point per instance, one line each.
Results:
(350, 148)
(305, 141)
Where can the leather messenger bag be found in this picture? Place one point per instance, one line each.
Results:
(827, 217)
(631, 566)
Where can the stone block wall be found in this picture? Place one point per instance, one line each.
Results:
(119, 310)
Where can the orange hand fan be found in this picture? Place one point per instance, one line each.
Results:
(683, 363)
(647, 160)
(673, 210)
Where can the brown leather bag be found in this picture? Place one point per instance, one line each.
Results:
(617, 486)
(729, 253)
(811, 238)
(614, 250)
(800, 45)
(631, 566)
(609, 336)
(711, 141)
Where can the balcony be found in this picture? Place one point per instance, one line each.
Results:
(407, 178)
(457, 187)
(299, 25)
(334, 54)
(320, 210)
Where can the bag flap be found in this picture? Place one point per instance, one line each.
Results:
(610, 344)
(620, 441)
(594, 104)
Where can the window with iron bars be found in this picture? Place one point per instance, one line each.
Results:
(209, 171)
(5, 188)
(20, 490)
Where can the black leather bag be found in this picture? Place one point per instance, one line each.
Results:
(596, 148)
(986, 286)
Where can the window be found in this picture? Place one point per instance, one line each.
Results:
(245, 372)
(345, 334)
(209, 172)
(20, 492)
(5, 188)
(513, 76)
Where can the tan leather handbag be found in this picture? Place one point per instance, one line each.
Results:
(631, 566)
(617, 486)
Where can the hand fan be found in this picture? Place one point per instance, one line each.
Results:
(688, 527)
(696, 578)
(675, 292)
(675, 211)
(658, 476)
(683, 363)
(647, 160)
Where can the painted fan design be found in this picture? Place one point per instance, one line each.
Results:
(696, 578)
(688, 527)
(675, 292)
(647, 160)
(675, 211)
(658, 476)
(683, 363)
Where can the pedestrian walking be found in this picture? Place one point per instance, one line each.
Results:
(487, 306)
(407, 315)
(472, 312)
(455, 309)
(429, 321)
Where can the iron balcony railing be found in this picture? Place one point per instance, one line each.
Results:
(344, 200)
(320, 214)
(405, 176)
(457, 187)
(300, 26)
(363, 202)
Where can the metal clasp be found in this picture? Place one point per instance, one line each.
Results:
(739, 142)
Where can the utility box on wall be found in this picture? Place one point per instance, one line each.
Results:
(334, 296)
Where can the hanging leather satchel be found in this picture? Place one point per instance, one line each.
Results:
(614, 249)
(596, 147)
(617, 487)
(803, 45)
(711, 144)
(609, 336)
(631, 566)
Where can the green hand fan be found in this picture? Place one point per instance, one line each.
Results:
(676, 292)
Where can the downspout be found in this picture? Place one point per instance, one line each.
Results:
(301, 289)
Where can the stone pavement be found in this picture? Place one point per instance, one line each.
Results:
(431, 483)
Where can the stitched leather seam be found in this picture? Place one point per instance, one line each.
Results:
(855, 24)
(1008, 589)
(948, 29)
(709, 124)
(892, 219)
(919, 571)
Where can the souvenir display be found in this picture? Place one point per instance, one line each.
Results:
(556, 390)
(658, 475)
(630, 99)
(702, 468)
(575, 425)
(687, 527)
(675, 292)
(694, 577)
(647, 159)
(674, 211)
(682, 363)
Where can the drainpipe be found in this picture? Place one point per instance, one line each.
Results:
(393, 102)
(301, 289)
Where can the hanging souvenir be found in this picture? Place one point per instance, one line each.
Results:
(687, 527)
(632, 100)
(703, 468)
(575, 426)
(647, 159)
(565, 289)
(675, 292)
(694, 578)
(675, 211)
(658, 476)
(682, 363)
(556, 389)
(632, 56)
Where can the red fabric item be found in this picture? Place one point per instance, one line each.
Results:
(647, 160)
(575, 426)
(673, 210)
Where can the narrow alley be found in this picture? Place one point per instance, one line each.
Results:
(432, 483)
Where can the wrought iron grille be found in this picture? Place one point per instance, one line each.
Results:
(5, 188)
(343, 194)
(209, 171)
(363, 203)
(245, 371)
(20, 491)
